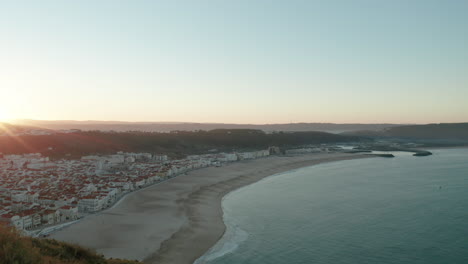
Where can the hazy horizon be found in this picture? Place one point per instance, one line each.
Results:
(243, 62)
(19, 121)
(25, 121)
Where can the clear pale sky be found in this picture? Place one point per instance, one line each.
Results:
(240, 61)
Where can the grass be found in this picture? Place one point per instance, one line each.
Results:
(18, 249)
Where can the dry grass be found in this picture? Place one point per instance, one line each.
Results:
(17, 249)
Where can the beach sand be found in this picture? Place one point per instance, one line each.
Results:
(178, 220)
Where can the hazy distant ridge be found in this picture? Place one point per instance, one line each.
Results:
(172, 126)
(429, 131)
(457, 131)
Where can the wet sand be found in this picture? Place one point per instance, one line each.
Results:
(178, 220)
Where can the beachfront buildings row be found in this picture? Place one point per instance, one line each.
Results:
(36, 192)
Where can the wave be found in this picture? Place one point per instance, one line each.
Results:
(228, 244)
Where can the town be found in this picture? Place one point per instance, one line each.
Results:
(37, 193)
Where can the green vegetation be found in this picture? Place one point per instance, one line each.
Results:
(450, 132)
(431, 131)
(17, 249)
(431, 135)
(175, 144)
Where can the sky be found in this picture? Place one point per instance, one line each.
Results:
(243, 61)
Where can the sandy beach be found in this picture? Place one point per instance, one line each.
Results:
(178, 220)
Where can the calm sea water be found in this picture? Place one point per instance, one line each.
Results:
(401, 210)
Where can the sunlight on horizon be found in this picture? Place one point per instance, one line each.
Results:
(4, 116)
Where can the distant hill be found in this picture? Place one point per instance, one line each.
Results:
(172, 126)
(7, 129)
(431, 131)
(447, 131)
(175, 144)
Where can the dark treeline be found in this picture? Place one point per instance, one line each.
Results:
(175, 144)
(431, 131)
(431, 135)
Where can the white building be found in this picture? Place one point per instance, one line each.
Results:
(89, 204)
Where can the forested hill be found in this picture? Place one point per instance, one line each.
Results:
(439, 131)
(177, 143)
(447, 131)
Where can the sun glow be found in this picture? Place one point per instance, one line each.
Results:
(4, 117)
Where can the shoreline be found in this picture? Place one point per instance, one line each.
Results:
(184, 214)
(453, 147)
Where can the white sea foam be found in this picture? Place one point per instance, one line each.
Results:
(234, 235)
(229, 243)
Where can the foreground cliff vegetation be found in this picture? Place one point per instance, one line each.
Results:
(17, 249)
(175, 144)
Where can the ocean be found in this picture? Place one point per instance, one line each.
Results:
(380, 210)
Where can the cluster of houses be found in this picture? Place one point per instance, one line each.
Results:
(36, 192)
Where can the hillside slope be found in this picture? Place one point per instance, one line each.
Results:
(173, 144)
(431, 131)
(444, 131)
(17, 249)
